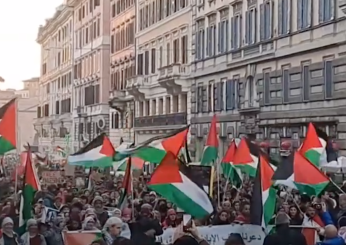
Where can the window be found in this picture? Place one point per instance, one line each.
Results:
(112, 43)
(140, 64)
(236, 32)
(184, 50)
(230, 94)
(218, 96)
(176, 51)
(168, 54)
(266, 24)
(115, 120)
(326, 10)
(250, 26)
(223, 36)
(200, 44)
(161, 57)
(146, 63)
(113, 10)
(303, 14)
(153, 60)
(284, 16)
(211, 36)
(250, 87)
(168, 8)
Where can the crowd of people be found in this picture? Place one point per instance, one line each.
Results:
(147, 216)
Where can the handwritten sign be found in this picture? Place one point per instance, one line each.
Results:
(217, 235)
(51, 177)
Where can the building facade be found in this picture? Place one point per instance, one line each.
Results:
(31, 88)
(267, 68)
(161, 85)
(122, 68)
(342, 5)
(91, 72)
(54, 121)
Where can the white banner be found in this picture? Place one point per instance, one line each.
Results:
(49, 214)
(217, 235)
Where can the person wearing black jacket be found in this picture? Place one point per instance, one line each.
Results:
(284, 235)
(145, 229)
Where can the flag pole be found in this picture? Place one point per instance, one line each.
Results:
(218, 183)
(337, 187)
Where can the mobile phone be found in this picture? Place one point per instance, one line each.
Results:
(187, 222)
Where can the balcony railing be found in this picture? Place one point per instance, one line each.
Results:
(162, 120)
(174, 70)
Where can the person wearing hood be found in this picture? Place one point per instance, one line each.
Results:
(112, 230)
(9, 237)
(283, 234)
(32, 237)
(331, 236)
(102, 214)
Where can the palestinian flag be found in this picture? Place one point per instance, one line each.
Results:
(155, 149)
(137, 163)
(8, 127)
(61, 151)
(297, 172)
(98, 153)
(329, 155)
(172, 184)
(31, 186)
(263, 199)
(211, 148)
(127, 185)
(313, 145)
(232, 173)
(246, 157)
(81, 237)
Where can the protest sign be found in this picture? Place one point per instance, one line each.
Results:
(81, 237)
(48, 214)
(51, 177)
(217, 235)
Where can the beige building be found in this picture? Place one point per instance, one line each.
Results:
(54, 114)
(267, 69)
(91, 68)
(122, 68)
(342, 5)
(31, 88)
(163, 55)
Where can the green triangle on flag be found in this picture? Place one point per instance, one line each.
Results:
(210, 152)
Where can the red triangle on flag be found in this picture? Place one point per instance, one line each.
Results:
(107, 147)
(229, 156)
(311, 140)
(243, 154)
(176, 142)
(267, 173)
(302, 166)
(212, 139)
(30, 174)
(167, 171)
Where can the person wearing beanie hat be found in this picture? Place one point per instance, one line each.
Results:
(8, 235)
(32, 237)
(283, 234)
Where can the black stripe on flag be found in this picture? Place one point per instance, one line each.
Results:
(98, 141)
(285, 168)
(256, 206)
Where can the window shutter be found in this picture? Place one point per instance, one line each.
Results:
(219, 40)
(280, 17)
(299, 14)
(202, 44)
(208, 42)
(262, 19)
(232, 33)
(226, 35)
(221, 101)
(229, 95)
(247, 27)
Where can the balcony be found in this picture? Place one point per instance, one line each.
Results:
(118, 99)
(136, 87)
(162, 121)
(174, 78)
(342, 6)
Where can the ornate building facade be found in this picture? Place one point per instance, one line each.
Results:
(91, 73)
(54, 113)
(122, 68)
(267, 68)
(161, 85)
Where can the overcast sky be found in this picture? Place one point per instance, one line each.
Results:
(19, 52)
